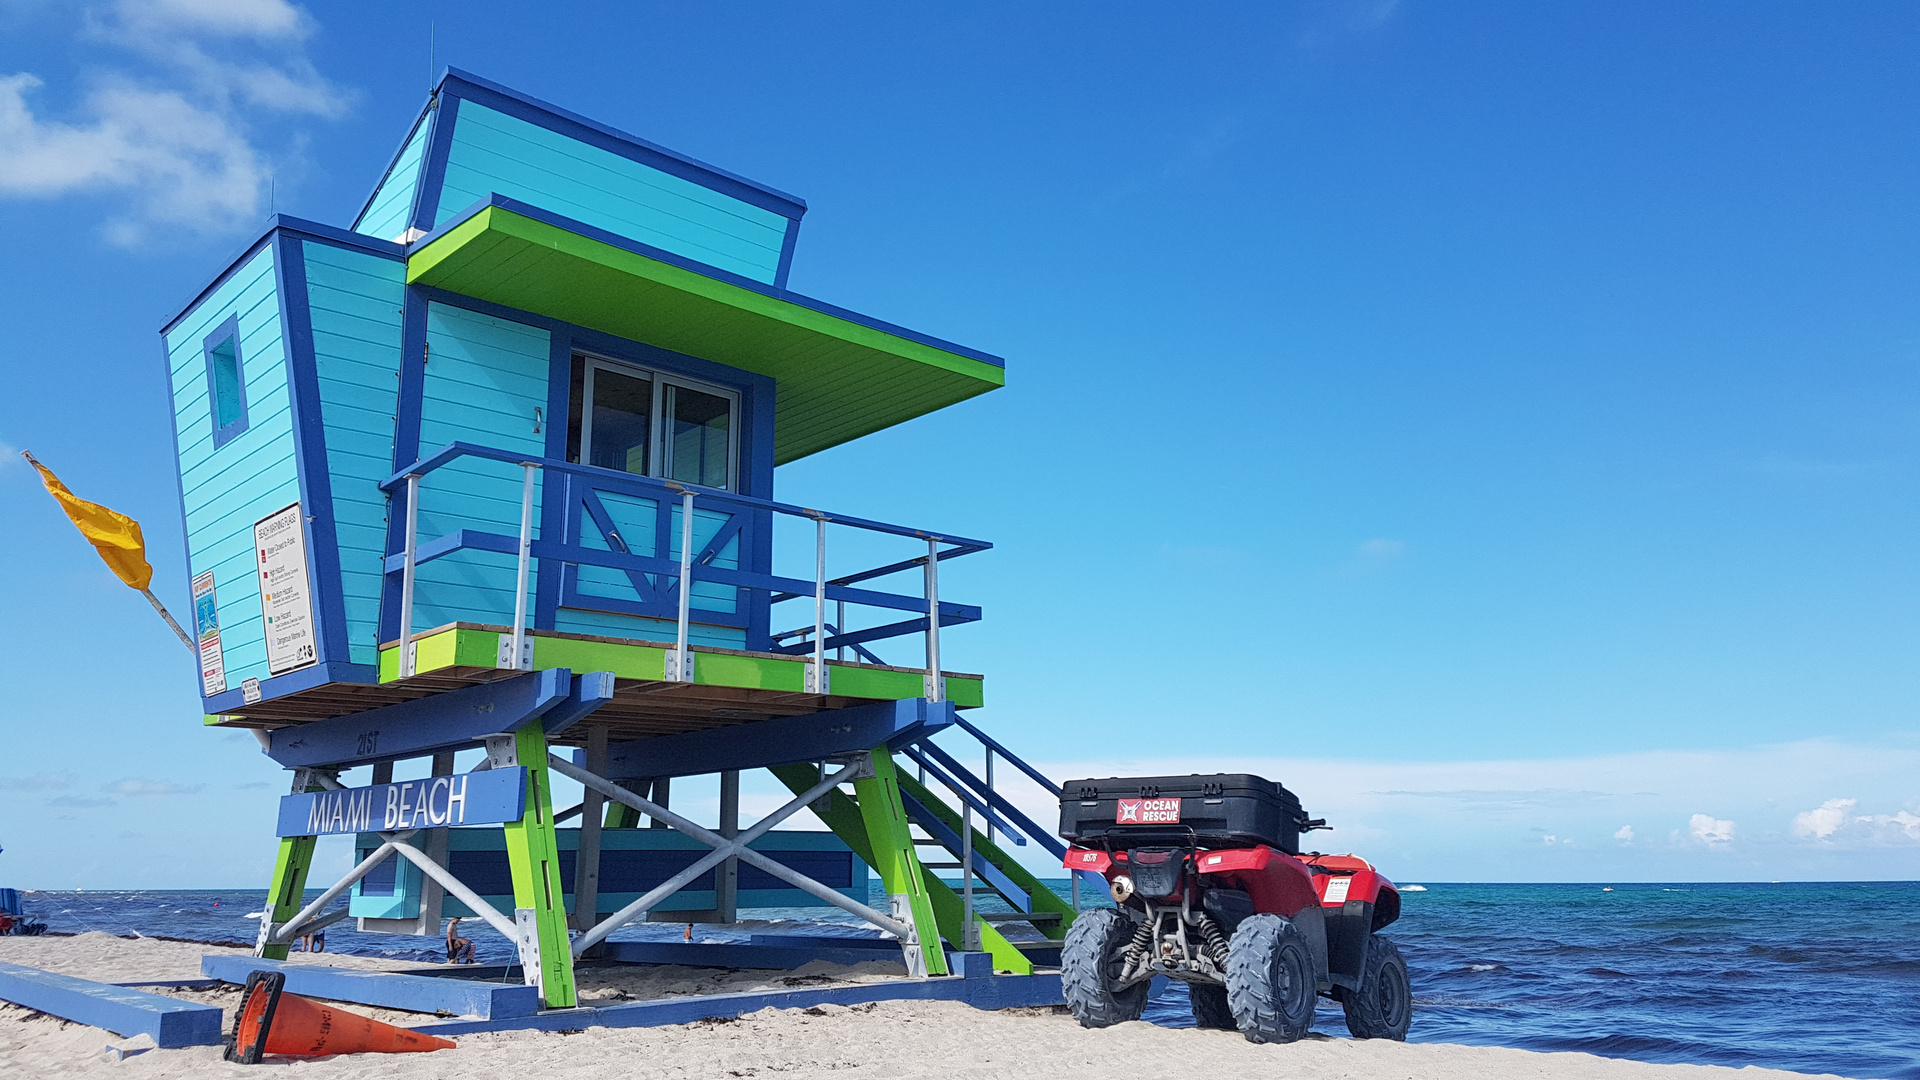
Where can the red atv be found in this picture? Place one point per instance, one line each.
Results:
(1212, 890)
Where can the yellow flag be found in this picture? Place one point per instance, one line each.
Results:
(114, 535)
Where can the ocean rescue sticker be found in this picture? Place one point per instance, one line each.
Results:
(1147, 812)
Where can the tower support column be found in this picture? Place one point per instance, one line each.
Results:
(898, 864)
(533, 856)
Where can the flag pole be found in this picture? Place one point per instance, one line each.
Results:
(162, 609)
(116, 537)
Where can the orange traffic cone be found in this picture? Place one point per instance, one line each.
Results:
(273, 1022)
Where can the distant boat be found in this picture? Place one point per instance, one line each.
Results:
(1607, 889)
(1413, 888)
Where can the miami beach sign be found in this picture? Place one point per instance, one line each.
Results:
(482, 798)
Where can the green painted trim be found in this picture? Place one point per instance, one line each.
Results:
(842, 815)
(625, 661)
(1044, 898)
(759, 673)
(838, 379)
(288, 887)
(449, 648)
(461, 647)
(533, 855)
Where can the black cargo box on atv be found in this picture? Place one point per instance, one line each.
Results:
(1213, 810)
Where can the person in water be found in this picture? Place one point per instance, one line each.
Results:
(459, 949)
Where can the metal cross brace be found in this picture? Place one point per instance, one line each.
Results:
(724, 848)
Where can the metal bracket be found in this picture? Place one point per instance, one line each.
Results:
(503, 751)
(413, 659)
(934, 693)
(677, 671)
(900, 906)
(819, 678)
(526, 925)
(304, 778)
(504, 659)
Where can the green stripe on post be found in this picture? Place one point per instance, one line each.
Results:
(533, 855)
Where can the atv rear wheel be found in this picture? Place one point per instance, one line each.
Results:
(1271, 984)
(1091, 961)
(1383, 1006)
(1210, 1006)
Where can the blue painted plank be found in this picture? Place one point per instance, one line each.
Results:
(354, 299)
(482, 798)
(226, 490)
(449, 721)
(492, 152)
(989, 992)
(810, 737)
(414, 993)
(387, 212)
(121, 1010)
(739, 955)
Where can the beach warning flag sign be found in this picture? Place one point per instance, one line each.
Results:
(115, 536)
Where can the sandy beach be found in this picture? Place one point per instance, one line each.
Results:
(898, 1040)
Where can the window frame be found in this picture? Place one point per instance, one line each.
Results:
(228, 332)
(658, 445)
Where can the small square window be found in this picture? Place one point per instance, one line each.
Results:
(226, 382)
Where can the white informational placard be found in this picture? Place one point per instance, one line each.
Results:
(286, 601)
(206, 618)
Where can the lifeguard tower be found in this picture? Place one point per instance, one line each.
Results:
(494, 468)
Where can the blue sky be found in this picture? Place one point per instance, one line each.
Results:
(1497, 422)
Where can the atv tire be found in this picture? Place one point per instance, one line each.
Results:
(1210, 1006)
(1383, 1006)
(1091, 960)
(1271, 984)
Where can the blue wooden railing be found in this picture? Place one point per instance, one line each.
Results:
(663, 583)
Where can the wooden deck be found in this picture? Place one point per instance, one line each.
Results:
(730, 686)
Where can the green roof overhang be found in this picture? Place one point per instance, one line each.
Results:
(838, 375)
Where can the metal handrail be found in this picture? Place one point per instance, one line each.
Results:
(679, 666)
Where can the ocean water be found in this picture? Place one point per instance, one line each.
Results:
(1812, 977)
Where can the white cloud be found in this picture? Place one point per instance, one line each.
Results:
(1379, 549)
(1549, 838)
(1624, 833)
(1710, 830)
(168, 131)
(1824, 820)
(41, 781)
(136, 786)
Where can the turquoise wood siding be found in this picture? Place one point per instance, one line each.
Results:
(386, 215)
(255, 473)
(496, 153)
(355, 302)
(484, 379)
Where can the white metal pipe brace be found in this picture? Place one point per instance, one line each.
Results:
(292, 928)
(525, 561)
(407, 575)
(685, 672)
(820, 683)
(936, 685)
(735, 847)
(713, 858)
(460, 891)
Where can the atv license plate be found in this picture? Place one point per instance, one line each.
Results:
(1147, 812)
